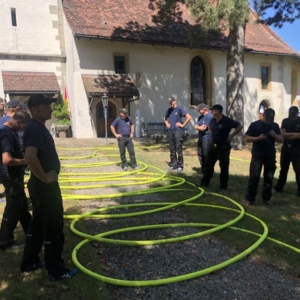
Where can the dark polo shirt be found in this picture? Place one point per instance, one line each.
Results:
(291, 126)
(122, 126)
(175, 115)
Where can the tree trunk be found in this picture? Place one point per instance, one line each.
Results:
(235, 80)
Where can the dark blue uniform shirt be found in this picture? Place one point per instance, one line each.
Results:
(204, 120)
(4, 119)
(220, 130)
(266, 146)
(175, 115)
(122, 126)
(38, 136)
(291, 126)
(9, 142)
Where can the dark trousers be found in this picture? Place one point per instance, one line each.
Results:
(16, 208)
(46, 227)
(175, 144)
(220, 153)
(288, 155)
(202, 150)
(126, 142)
(269, 164)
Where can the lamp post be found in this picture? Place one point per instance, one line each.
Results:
(105, 105)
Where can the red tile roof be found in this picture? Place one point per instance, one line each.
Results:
(112, 85)
(133, 21)
(30, 82)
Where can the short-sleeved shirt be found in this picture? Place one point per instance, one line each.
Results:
(220, 130)
(266, 146)
(122, 126)
(204, 120)
(38, 136)
(9, 142)
(4, 119)
(175, 115)
(291, 126)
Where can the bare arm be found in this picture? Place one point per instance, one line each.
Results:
(200, 127)
(131, 130)
(10, 161)
(188, 118)
(290, 135)
(253, 139)
(113, 130)
(168, 125)
(235, 132)
(35, 167)
(277, 137)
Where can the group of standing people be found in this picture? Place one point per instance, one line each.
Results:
(45, 225)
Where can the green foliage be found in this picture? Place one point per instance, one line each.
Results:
(61, 112)
(285, 11)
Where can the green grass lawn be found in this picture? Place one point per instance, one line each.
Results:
(283, 221)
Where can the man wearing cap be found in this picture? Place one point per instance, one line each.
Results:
(173, 121)
(2, 105)
(47, 222)
(262, 134)
(12, 107)
(204, 137)
(123, 128)
(290, 151)
(220, 128)
(12, 177)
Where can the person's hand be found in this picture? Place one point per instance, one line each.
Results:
(51, 176)
(118, 135)
(178, 124)
(262, 137)
(203, 127)
(168, 125)
(272, 134)
(131, 135)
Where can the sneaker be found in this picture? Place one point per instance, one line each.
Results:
(70, 273)
(221, 191)
(202, 184)
(38, 266)
(125, 168)
(248, 203)
(13, 245)
(135, 167)
(179, 170)
(171, 169)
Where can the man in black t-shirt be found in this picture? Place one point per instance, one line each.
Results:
(263, 134)
(12, 177)
(290, 151)
(47, 222)
(220, 129)
(123, 129)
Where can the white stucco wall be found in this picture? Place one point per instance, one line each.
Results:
(35, 32)
(165, 71)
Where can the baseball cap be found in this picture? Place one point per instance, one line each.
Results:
(217, 107)
(202, 106)
(293, 111)
(171, 99)
(40, 99)
(269, 114)
(13, 103)
(123, 110)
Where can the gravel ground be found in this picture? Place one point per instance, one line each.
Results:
(243, 280)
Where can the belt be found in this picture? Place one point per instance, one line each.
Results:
(126, 135)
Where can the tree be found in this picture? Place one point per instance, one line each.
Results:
(220, 15)
(282, 11)
(61, 112)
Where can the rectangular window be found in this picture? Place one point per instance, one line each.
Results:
(265, 77)
(13, 17)
(120, 64)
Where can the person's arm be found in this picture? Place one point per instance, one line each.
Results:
(235, 132)
(113, 130)
(168, 125)
(277, 137)
(200, 127)
(289, 135)
(35, 167)
(10, 161)
(253, 139)
(188, 118)
(131, 130)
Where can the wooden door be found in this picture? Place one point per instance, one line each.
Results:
(111, 115)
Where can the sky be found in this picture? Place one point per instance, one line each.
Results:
(290, 33)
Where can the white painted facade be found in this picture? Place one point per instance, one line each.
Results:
(165, 72)
(44, 38)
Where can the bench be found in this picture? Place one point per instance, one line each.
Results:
(155, 130)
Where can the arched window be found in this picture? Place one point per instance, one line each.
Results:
(198, 90)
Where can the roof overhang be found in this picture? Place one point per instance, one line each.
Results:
(114, 86)
(26, 83)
